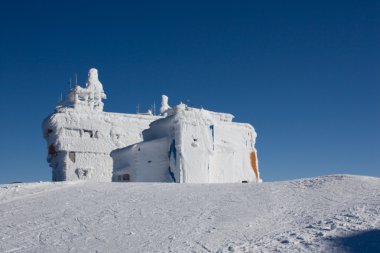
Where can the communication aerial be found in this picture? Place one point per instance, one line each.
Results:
(76, 79)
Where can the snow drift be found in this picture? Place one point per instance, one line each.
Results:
(324, 214)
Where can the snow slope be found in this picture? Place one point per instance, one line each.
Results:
(331, 213)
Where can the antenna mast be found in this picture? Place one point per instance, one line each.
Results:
(76, 79)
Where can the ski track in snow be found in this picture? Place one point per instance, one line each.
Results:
(306, 215)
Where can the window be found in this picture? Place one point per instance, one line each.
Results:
(88, 133)
(82, 173)
(71, 132)
(72, 156)
(126, 177)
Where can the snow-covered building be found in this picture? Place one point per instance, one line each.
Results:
(182, 144)
(80, 135)
(190, 145)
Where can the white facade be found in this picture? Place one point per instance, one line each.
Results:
(183, 144)
(80, 136)
(190, 145)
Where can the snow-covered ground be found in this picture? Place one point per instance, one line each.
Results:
(324, 214)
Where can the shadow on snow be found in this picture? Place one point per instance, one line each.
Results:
(364, 241)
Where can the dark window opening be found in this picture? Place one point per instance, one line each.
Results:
(72, 156)
(89, 133)
(82, 173)
(126, 177)
(244, 182)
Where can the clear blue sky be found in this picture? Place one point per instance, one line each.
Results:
(305, 74)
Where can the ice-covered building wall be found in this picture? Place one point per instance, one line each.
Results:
(190, 145)
(183, 144)
(80, 136)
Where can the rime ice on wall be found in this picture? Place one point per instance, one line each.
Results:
(183, 145)
(80, 136)
(148, 155)
(190, 146)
